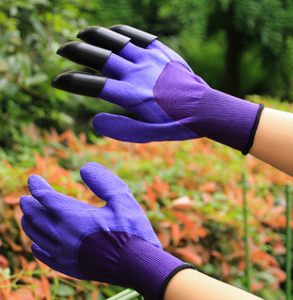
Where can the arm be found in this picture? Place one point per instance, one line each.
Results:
(191, 285)
(273, 141)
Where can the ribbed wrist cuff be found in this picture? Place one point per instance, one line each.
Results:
(226, 119)
(147, 268)
(254, 129)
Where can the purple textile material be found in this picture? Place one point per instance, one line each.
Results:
(114, 244)
(208, 112)
(124, 267)
(132, 76)
(177, 91)
(171, 101)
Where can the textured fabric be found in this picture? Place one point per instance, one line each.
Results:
(178, 91)
(132, 76)
(114, 244)
(137, 264)
(171, 101)
(223, 118)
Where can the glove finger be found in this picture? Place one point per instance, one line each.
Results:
(121, 93)
(55, 202)
(104, 38)
(37, 236)
(84, 54)
(80, 83)
(106, 185)
(138, 37)
(125, 129)
(111, 90)
(111, 40)
(95, 58)
(39, 216)
(171, 54)
(45, 257)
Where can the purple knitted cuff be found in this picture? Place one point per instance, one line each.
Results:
(148, 269)
(226, 119)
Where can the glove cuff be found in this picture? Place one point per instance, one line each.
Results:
(226, 119)
(253, 131)
(147, 268)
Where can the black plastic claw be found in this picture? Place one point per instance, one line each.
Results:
(103, 37)
(84, 54)
(138, 37)
(80, 83)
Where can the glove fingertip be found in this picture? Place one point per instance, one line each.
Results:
(88, 169)
(34, 248)
(23, 200)
(22, 222)
(37, 182)
(32, 179)
(92, 172)
(113, 126)
(25, 224)
(39, 253)
(99, 121)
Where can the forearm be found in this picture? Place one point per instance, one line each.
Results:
(192, 285)
(273, 141)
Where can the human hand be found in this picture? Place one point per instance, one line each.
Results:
(150, 79)
(114, 244)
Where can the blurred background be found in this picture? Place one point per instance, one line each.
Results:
(192, 190)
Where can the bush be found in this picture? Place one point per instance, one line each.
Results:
(191, 192)
(31, 32)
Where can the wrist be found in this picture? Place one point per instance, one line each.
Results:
(147, 268)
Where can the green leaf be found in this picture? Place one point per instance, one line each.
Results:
(36, 79)
(64, 290)
(38, 26)
(4, 39)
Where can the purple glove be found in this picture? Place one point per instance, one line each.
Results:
(146, 77)
(114, 244)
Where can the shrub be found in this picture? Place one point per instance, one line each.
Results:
(191, 192)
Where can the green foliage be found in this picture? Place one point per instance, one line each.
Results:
(265, 29)
(30, 33)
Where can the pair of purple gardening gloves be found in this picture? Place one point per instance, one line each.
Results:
(116, 244)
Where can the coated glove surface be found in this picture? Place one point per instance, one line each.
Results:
(156, 83)
(114, 244)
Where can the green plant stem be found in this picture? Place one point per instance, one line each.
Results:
(29, 273)
(18, 277)
(246, 228)
(288, 241)
(125, 295)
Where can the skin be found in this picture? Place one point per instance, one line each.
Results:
(273, 141)
(192, 285)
